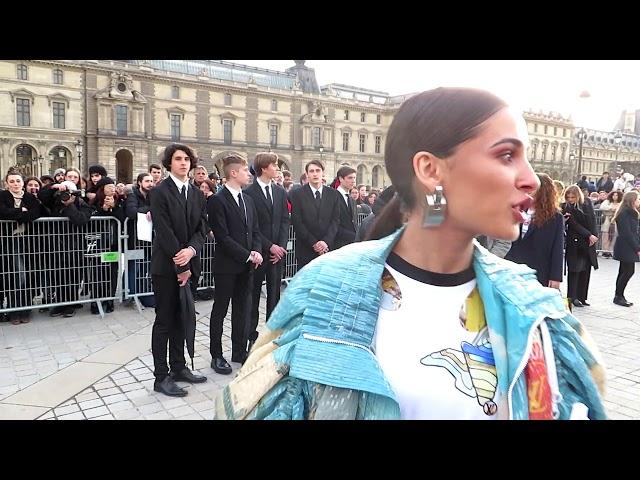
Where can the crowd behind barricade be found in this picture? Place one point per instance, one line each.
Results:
(49, 266)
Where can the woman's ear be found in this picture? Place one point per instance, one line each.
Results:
(428, 170)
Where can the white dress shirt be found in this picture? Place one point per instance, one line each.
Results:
(262, 187)
(180, 184)
(234, 194)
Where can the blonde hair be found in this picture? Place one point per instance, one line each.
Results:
(574, 189)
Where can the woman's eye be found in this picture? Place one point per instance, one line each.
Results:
(507, 156)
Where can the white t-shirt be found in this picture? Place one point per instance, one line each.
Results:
(433, 345)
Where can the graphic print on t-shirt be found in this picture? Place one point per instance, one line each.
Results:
(472, 367)
(391, 294)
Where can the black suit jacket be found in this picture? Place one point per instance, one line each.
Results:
(347, 225)
(627, 245)
(235, 239)
(542, 249)
(178, 223)
(311, 224)
(273, 220)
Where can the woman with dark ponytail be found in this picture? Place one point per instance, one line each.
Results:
(422, 322)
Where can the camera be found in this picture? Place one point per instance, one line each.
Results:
(71, 190)
(66, 195)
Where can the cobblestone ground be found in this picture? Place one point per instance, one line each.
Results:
(92, 368)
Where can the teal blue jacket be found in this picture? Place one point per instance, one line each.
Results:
(315, 358)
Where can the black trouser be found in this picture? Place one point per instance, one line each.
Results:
(273, 274)
(167, 327)
(578, 284)
(235, 287)
(625, 272)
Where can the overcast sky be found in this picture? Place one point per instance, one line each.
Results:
(550, 85)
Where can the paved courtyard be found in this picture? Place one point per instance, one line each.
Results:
(86, 367)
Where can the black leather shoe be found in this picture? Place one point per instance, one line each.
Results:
(109, 305)
(584, 302)
(94, 309)
(577, 303)
(185, 375)
(169, 387)
(221, 366)
(69, 312)
(620, 300)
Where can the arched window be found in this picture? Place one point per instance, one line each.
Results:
(376, 177)
(360, 173)
(24, 159)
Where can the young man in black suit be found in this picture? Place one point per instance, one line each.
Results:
(348, 224)
(273, 222)
(233, 219)
(315, 215)
(178, 212)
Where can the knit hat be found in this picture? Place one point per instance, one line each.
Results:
(59, 171)
(97, 169)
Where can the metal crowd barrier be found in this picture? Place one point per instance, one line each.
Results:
(608, 236)
(137, 255)
(52, 263)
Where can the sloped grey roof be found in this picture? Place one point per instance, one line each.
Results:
(224, 71)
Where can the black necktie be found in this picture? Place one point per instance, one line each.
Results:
(243, 211)
(183, 190)
(266, 189)
(348, 203)
(318, 199)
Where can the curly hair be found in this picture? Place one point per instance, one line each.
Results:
(545, 203)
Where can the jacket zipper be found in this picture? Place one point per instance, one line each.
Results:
(331, 340)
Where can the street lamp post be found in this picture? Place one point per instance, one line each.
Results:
(79, 152)
(617, 139)
(581, 135)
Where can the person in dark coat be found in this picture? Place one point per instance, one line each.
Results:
(604, 183)
(581, 245)
(138, 272)
(69, 240)
(540, 246)
(627, 245)
(18, 258)
(270, 201)
(178, 211)
(234, 221)
(107, 203)
(314, 215)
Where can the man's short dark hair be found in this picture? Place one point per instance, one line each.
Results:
(286, 173)
(605, 173)
(313, 162)
(173, 148)
(156, 166)
(344, 171)
(214, 176)
(263, 160)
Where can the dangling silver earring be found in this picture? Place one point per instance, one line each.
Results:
(435, 209)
